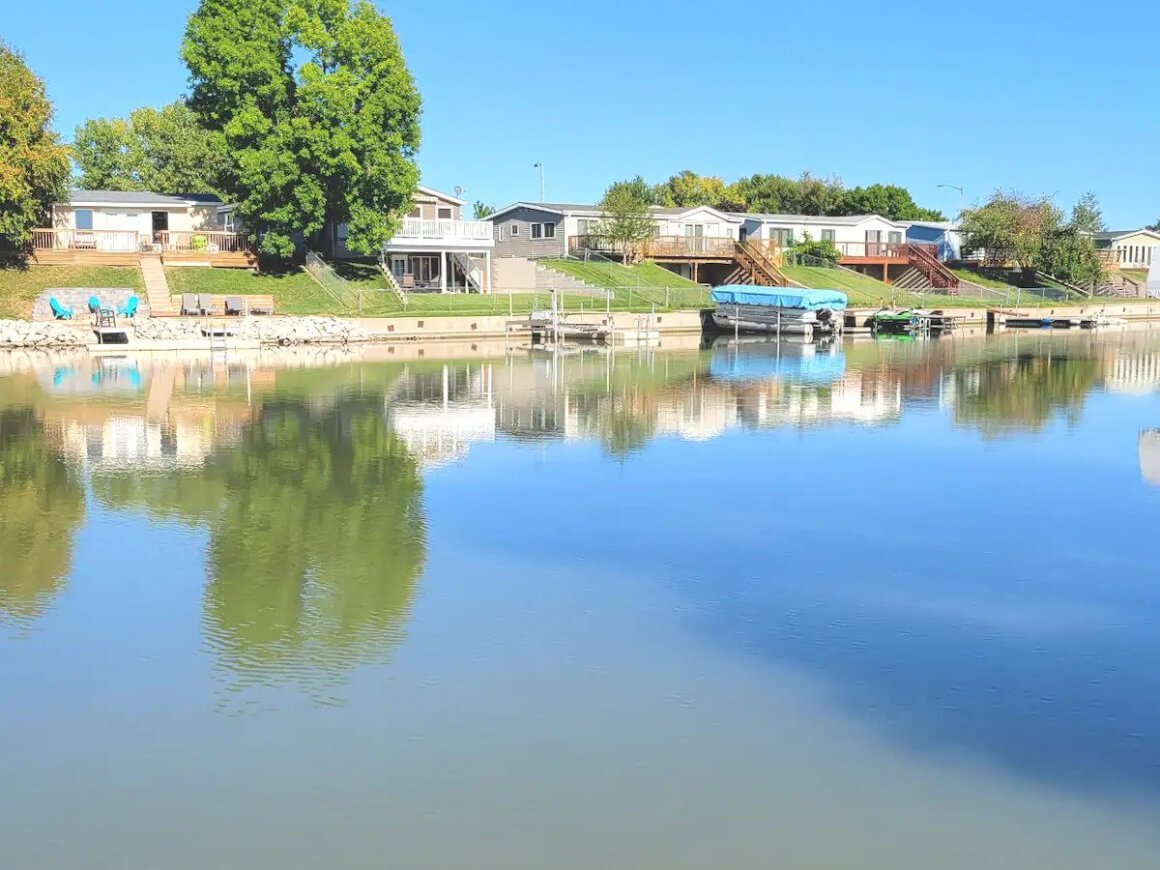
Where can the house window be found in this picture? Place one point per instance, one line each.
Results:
(829, 236)
(515, 230)
(894, 238)
(444, 214)
(537, 231)
(549, 231)
(783, 237)
(84, 218)
(416, 212)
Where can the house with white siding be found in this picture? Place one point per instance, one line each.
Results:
(434, 247)
(1128, 249)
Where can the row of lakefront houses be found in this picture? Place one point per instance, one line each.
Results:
(437, 249)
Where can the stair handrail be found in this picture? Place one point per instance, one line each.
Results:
(762, 262)
(936, 271)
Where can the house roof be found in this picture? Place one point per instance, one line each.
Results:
(430, 191)
(138, 198)
(1113, 235)
(574, 208)
(935, 225)
(827, 220)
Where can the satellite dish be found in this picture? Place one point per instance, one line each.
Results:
(459, 191)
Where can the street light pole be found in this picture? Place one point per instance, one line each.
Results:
(960, 190)
(540, 166)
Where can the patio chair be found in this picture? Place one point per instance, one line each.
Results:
(188, 304)
(234, 306)
(94, 305)
(129, 309)
(408, 281)
(205, 303)
(60, 312)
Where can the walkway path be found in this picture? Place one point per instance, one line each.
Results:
(157, 288)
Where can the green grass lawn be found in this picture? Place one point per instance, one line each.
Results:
(993, 280)
(1140, 276)
(294, 291)
(19, 287)
(638, 286)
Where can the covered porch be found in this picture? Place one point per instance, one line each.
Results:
(455, 271)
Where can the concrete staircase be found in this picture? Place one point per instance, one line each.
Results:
(548, 279)
(157, 288)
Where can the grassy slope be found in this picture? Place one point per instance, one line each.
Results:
(1140, 276)
(20, 287)
(976, 277)
(645, 283)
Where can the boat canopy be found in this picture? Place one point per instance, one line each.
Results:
(779, 297)
(808, 368)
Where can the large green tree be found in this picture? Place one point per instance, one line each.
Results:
(1011, 227)
(1087, 216)
(33, 163)
(160, 150)
(318, 110)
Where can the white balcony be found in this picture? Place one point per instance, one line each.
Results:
(416, 233)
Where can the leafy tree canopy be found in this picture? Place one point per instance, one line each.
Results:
(318, 110)
(161, 150)
(482, 210)
(775, 194)
(1086, 215)
(626, 220)
(33, 163)
(1031, 232)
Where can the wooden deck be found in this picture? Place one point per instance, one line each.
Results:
(68, 247)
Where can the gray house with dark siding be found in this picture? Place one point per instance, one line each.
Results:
(533, 230)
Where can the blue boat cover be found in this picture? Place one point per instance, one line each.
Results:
(813, 368)
(779, 297)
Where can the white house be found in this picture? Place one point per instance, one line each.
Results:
(116, 221)
(435, 248)
(1129, 249)
(853, 236)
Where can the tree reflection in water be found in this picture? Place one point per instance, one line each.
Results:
(42, 505)
(317, 540)
(1023, 393)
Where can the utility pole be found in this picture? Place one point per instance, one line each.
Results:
(540, 166)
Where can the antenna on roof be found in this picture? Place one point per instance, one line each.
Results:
(459, 191)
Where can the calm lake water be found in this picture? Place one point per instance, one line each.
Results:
(884, 605)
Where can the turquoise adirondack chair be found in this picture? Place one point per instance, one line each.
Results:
(94, 305)
(59, 311)
(129, 309)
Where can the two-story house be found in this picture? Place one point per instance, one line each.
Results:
(435, 248)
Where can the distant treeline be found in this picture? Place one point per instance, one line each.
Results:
(776, 194)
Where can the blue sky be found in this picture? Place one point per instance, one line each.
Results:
(1023, 95)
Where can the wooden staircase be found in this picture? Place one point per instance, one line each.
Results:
(157, 288)
(925, 259)
(761, 268)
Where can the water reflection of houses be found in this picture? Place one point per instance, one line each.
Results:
(438, 413)
(140, 415)
(1132, 370)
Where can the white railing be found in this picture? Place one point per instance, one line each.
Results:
(417, 228)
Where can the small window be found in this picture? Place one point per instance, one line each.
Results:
(549, 231)
(828, 235)
(84, 218)
(444, 214)
(537, 231)
(416, 212)
(515, 230)
(894, 238)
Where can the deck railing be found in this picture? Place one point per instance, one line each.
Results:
(130, 241)
(472, 231)
(200, 242)
(101, 241)
(659, 246)
(889, 250)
